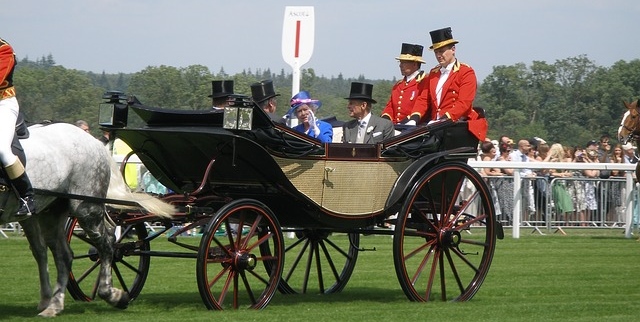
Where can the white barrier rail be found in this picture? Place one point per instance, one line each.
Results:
(517, 183)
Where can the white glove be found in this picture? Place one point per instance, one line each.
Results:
(312, 124)
(410, 122)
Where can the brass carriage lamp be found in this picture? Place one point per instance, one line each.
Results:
(238, 114)
(113, 112)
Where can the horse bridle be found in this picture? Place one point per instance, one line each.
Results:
(632, 135)
(633, 132)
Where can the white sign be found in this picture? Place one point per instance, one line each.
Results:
(298, 32)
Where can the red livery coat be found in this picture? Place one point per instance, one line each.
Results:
(405, 100)
(458, 93)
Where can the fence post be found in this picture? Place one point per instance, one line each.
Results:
(517, 199)
(630, 205)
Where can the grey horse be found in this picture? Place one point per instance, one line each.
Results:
(64, 159)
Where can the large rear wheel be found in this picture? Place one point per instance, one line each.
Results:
(445, 235)
(319, 261)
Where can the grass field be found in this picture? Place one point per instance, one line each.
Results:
(588, 275)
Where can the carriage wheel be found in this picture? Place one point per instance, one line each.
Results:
(445, 235)
(229, 253)
(318, 261)
(130, 265)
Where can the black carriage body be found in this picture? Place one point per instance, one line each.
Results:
(243, 183)
(304, 182)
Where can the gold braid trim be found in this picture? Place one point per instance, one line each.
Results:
(7, 92)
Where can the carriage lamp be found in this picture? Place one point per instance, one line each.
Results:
(113, 112)
(238, 114)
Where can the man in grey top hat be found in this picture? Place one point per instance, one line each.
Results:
(264, 95)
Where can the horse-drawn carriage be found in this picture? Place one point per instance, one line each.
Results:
(245, 183)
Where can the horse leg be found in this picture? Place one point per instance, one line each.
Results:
(103, 238)
(38, 248)
(54, 236)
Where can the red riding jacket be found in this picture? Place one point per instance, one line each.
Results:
(7, 65)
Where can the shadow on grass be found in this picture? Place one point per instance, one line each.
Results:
(191, 301)
(15, 310)
(72, 308)
(356, 294)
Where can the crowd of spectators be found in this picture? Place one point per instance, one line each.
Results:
(573, 197)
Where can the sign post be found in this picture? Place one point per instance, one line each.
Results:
(298, 32)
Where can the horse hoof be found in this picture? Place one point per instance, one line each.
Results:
(48, 313)
(123, 303)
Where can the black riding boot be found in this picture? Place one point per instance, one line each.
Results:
(22, 186)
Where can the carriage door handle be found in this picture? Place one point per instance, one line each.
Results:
(326, 173)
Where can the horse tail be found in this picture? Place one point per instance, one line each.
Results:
(118, 190)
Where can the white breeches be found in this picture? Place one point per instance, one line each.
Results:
(8, 114)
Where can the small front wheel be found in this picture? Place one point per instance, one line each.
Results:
(130, 263)
(231, 271)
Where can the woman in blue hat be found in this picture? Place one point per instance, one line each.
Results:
(304, 108)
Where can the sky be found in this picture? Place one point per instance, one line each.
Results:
(352, 38)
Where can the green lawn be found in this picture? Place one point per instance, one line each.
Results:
(588, 275)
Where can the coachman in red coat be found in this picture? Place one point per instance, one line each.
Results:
(452, 85)
(405, 105)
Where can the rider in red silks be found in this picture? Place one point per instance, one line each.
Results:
(9, 109)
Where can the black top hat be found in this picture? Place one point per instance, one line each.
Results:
(221, 88)
(262, 91)
(441, 38)
(411, 52)
(361, 91)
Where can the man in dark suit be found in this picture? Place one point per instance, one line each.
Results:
(264, 94)
(365, 127)
(220, 92)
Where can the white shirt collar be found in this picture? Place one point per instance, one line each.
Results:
(448, 68)
(412, 76)
(365, 119)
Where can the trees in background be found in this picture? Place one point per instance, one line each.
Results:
(570, 101)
